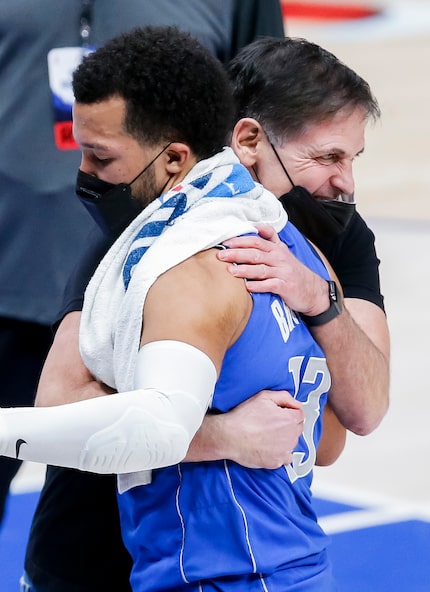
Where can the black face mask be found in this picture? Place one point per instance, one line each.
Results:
(111, 205)
(319, 220)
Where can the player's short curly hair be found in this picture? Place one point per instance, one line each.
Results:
(174, 88)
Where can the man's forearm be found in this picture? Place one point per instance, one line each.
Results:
(259, 433)
(64, 378)
(209, 443)
(359, 370)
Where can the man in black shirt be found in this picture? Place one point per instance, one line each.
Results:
(302, 116)
(75, 533)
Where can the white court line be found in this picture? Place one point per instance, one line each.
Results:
(377, 509)
(359, 519)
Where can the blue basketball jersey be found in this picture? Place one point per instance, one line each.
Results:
(221, 526)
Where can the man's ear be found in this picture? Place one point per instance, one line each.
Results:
(246, 139)
(178, 159)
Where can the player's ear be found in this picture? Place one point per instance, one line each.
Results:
(177, 158)
(246, 139)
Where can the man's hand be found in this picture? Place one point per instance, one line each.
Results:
(267, 261)
(356, 339)
(260, 433)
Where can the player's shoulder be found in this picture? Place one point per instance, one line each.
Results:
(212, 275)
(199, 302)
(204, 280)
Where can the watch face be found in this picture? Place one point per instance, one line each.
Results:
(335, 297)
(332, 291)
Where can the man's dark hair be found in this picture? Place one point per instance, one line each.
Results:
(174, 89)
(287, 84)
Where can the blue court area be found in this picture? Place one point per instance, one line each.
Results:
(391, 557)
(388, 557)
(13, 538)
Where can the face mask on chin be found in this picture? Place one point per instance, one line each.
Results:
(112, 206)
(319, 220)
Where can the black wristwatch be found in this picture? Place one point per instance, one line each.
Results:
(333, 311)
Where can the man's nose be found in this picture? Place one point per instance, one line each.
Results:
(343, 179)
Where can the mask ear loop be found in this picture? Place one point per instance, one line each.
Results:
(254, 170)
(165, 185)
(150, 163)
(281, 163)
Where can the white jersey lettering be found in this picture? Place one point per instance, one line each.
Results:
(285, 317)
(316, 373)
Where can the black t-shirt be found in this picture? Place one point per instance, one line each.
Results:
(353, 257)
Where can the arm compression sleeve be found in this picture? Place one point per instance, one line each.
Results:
(146, 428)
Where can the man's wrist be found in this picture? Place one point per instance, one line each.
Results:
(207, 444)
(334, 310)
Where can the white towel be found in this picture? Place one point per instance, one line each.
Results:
(111, 321)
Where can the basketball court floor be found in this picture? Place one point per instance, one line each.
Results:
(374, 502)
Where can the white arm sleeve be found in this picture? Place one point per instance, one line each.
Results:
(146, 428)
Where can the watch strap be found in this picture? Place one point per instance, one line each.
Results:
(333, 311)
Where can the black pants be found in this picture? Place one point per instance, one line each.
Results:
(23, 349)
